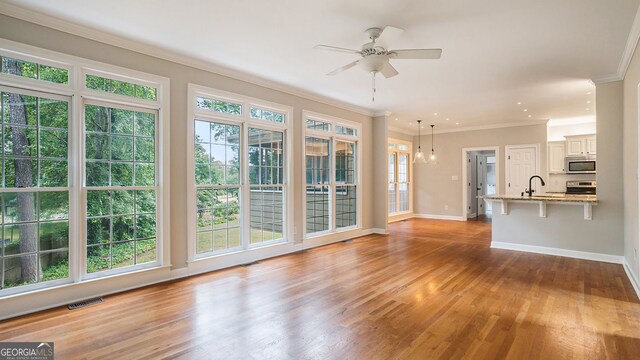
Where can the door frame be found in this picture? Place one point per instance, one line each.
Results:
(507, 150)
(465, 176)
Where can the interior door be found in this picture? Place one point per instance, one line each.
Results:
(481, 182)
(521, 165)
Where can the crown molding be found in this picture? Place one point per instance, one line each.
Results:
(627, 54)
(475, 128)
(169, 55)
(382, 113)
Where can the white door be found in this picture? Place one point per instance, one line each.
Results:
(482, 183)
(521, 165)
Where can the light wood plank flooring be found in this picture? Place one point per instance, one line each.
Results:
(432, 289)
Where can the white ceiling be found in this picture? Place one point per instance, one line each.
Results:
(496, 53)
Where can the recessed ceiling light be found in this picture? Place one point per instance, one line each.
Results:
(589, 93)
(396, 119)
(457, 123)
(436, 114)
(525, 110)
(587, 109)
(588, 101)
(519, 103)
(421, 127)
(529, 115)
(447, 119)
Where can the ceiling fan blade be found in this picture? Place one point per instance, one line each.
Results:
(388, 35)
(346, 67)
(389, 71)
(416, 54)
(335, 48)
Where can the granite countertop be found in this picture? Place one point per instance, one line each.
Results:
(549, 197)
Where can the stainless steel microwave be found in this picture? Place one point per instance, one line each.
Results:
(580, 164)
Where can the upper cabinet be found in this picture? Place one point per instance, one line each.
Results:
(556, 154)
(580, 145)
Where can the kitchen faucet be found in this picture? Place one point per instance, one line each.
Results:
(530, 191)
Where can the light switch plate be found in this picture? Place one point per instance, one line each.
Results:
(454, 177)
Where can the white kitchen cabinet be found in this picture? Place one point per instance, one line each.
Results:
(556, 155)
(580, 145)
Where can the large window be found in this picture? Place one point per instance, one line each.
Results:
(399, 163)
(239, 178)
(80, 194)
(331, 175)
(120, 151)
(217, 176)
(35, 191)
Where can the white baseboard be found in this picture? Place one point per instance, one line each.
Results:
(438, 217)
(380, 231)
(632, 277)
(558, 252)
(471, 216)
(400, 217)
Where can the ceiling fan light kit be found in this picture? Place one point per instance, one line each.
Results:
(375, 56)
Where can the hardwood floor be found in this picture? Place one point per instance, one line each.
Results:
(432, 289)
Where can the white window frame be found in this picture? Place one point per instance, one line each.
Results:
(333, 137)
(409, 182)
(245, 121)
(76, 90)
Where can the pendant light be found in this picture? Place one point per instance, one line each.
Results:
(432, 157)
(419, 156)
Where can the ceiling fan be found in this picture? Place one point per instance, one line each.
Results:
(375, 56)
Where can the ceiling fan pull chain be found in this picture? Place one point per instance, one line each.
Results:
(373, 96)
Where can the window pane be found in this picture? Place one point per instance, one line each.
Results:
(345, 206)
(127, 157)
(267, 115)
(317, 160)
(392, 198)
(115, 236)
(218, 106)
(217, 218)
(217, 153)
(34, 141)
(267, 208)
(317, 209)
(403, 189)
(403, 168)
(35, 239)
(391, 167)
(34, 71)
(345, 162)
(120, 87)
(318, 125)
(346, 130)
(266, 153)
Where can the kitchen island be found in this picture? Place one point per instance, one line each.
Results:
(586, 201)
(557, 224)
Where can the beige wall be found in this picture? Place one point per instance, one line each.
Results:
(380, 206)
(399, 136)
(180, 75)
(434, 188)
(630, 161)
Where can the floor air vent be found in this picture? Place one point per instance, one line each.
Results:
(85, 303)
(347, 241)
(251, 263)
